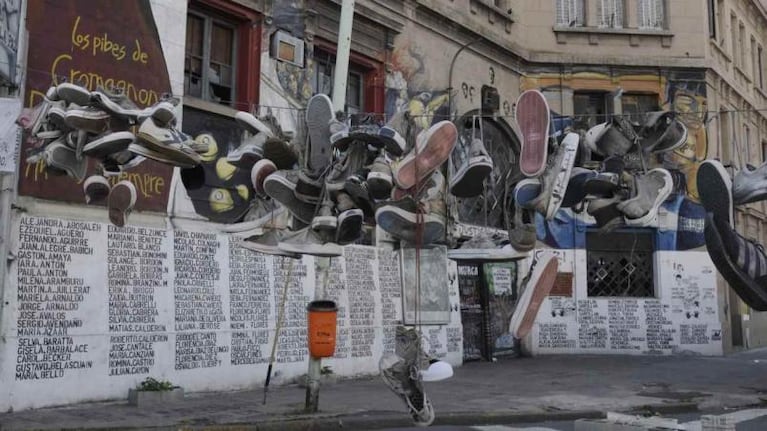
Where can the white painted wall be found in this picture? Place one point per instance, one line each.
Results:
(65, 322)
(683, 318)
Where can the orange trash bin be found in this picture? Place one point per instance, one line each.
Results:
(322, 328)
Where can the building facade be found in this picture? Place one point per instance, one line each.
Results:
(100, 308)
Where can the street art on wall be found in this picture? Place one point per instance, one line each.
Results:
(9, 38)
(219, 191)
(680, 225)
(103, 44)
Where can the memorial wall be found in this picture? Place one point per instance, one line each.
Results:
(682, 317)
(94, 309)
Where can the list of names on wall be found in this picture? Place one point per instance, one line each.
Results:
(249, 305)
(660, 330)
(137, 272)
(198, 303)
(291, 346)
(623, 320)
(334, 285)
(592, 325)
(361, 283)
(51, 291)
(390, 283)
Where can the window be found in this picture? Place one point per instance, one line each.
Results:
(634, 105)
(764, 151)
(610, 13)
(324, 64)
(651, 14)
(747, 142)
(734, 37)
(712, 18)
(720, 20)
(754, 63)
(760, 66)
(725, 135)
(589, 108)
(209, 69)
(620, 264)
(218, 66)
(570, 13)
(742, 43)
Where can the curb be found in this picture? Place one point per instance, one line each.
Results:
(382, 420)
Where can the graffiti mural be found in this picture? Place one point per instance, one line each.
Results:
(679, 92)
(106, 44)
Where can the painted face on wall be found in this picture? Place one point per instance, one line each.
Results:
(691, 108)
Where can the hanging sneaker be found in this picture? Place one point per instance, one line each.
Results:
(533, 117)
(250, 151)
(121, 201)
(576, 190)
(265, 213)
(362, 129)
(167, 141)
(661, 132)
(741, 262)
(59, 155)
(252, 125)
(536, 289)
(593, 135)
(281, 186)
(308, 186)
(617, 138)
(108, 143)
(350, 219)
(392, 135)
(73, 94)
(715, 190)
(652, 189)
(605, 212)
(560, 177)
(470, 174)
(96, 189)
(266, 243)
(522, 235)
(325, 220)
(379, 179)
(355, 159)
(526, 191)
(433, 147)
(399, 219)
(319, 113)
(262, 169)
(749, 185)
(308, 241)
(90, 119)
(281, 152)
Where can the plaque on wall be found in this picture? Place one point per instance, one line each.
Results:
(425, 298)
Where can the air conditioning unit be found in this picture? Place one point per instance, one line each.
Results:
(288, 48)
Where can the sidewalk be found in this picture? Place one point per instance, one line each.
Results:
(510, 390)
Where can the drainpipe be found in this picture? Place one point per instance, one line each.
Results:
(342, 55)
(339, 102)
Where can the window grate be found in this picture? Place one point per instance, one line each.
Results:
(620, 264)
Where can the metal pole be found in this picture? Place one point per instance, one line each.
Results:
(339, 101)
(342, 55)
(315, 364)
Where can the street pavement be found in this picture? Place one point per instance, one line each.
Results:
(509, 391)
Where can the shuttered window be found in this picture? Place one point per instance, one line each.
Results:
(570, 13)
(651, 14)
(610, 13)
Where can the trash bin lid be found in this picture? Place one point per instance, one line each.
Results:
(323, 305)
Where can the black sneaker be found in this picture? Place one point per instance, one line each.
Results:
(741, 262)
(715, 190)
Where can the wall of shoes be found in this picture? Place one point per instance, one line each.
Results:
(682, 316)
(188, 306)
